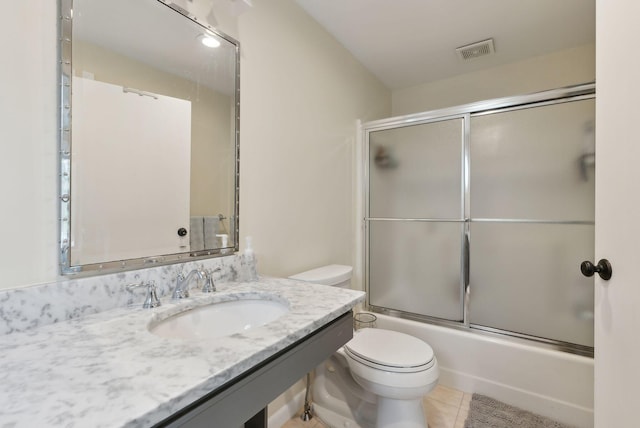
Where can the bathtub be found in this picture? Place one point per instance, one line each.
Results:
(545, 381)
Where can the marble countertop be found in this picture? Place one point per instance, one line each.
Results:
(107, 370)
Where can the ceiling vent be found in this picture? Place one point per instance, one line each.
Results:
(476, 50)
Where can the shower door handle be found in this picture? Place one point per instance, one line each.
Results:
(603, 268)
(466, 262)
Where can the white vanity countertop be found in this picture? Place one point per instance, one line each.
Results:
(107, 370)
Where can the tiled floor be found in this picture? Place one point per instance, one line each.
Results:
(445, 407)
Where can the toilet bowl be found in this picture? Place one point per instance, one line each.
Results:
(398, 368)
(377, 379)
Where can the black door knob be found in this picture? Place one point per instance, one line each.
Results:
(182, 231)
(603, 268)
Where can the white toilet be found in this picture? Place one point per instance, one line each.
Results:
(377, 379)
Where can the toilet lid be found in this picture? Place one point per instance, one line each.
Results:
(389, 350)
(326, 275)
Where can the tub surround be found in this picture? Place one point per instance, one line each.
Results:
(92, 362)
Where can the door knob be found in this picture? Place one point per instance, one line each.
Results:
(182, 231)
(603, 268)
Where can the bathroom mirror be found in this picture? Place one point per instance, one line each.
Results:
(148, 138)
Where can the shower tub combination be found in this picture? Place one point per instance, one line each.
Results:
(477, 218)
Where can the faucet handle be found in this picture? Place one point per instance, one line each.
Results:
(151, 300)
(209, 286)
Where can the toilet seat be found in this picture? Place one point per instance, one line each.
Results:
(390, 351)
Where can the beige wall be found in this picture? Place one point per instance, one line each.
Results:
(563, 68)
(301, 94)
(28, 134)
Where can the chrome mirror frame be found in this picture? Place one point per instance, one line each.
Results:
(65, 29)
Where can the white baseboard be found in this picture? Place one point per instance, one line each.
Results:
(286, 412)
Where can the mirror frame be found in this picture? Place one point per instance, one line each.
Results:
(64, 155)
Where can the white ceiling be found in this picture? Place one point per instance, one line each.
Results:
(409, 42)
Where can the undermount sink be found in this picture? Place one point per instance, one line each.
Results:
(219, 319)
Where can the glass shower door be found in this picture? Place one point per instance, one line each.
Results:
(479, 216)
(415, 218)
(532, 220)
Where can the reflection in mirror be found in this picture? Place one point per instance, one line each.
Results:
(149, 137)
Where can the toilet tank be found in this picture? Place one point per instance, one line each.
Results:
(334, 275)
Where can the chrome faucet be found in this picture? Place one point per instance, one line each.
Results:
(182, 283)
(209, 286)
